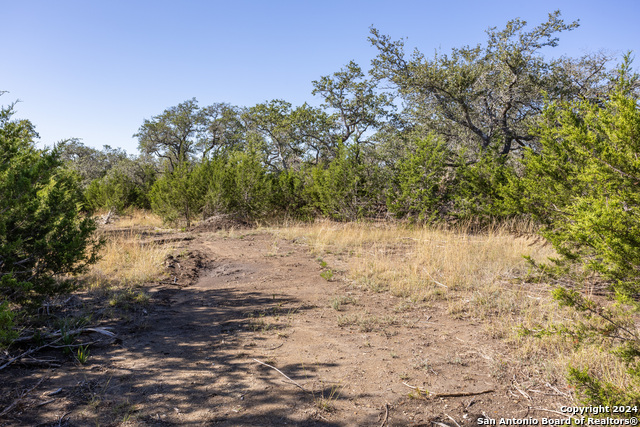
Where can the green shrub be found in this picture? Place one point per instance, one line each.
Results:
(420, 187)
(583, 186)
(43, 236)
(290, 194)
(346, 189)
(114, 191)
(7, 326)
(480, 188)
(237, 184)
(180, 194)
(248, 186)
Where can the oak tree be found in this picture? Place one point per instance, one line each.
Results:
(479, 97)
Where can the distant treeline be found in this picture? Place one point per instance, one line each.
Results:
(418, 138)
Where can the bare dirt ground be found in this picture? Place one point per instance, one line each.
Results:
(196, 353)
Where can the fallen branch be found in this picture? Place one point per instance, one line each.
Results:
(460, 394)
(60, 333)
(59, 336)
(61, 420)
(454, 421)
(20, 398)
(81, 344)
(27, 353)
(434, 280)
(281, 373)
(521, 391)
(551, 411)
(425, 391)
(50, 362)
(558, 391)
(386, 415)
(275, 347)
(45, 403)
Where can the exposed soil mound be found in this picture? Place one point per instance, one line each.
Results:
(221, 222)
(184, 270)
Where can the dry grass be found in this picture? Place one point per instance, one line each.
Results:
(125, 261)
(136, 218)
(422, 262)
(476, 276)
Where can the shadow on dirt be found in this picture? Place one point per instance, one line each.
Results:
(188, 359)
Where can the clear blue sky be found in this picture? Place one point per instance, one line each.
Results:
(96, 69)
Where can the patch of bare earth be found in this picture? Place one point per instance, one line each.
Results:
(245, 332)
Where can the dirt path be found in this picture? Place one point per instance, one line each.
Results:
(190, 357)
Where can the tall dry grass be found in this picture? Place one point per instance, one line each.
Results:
(479, 276)
(418, 261)
(125, 260)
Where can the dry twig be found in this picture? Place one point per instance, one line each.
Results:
(551, 411)
(60, 333)
(59, 336)
(386, 415)
(460, 394)
(282, 373)
(454, 421)
(521, 391)
(20, 398)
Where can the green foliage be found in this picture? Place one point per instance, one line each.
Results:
(88, 162)
(615, 329)
(110, 178)
(223, 131)
(238, 184)
(116, 191)
(356, 104)
(595, 392)
(420, 188)
(478, 96)
(179, 194)
(7, 325)
(426, 187)
(290, 194)
(327, 275)
(248, 187)
(346, 189)
(481, 101)
(583, 184)
(82, 355)
(42, 234)
(173, 135)
(480, 187)
(275, 123)
(216, 183)
(611, 329)
(235, 184)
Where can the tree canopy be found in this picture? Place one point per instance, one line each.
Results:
(173, 135)
(485, 97)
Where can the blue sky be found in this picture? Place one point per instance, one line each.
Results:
(96, 69)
